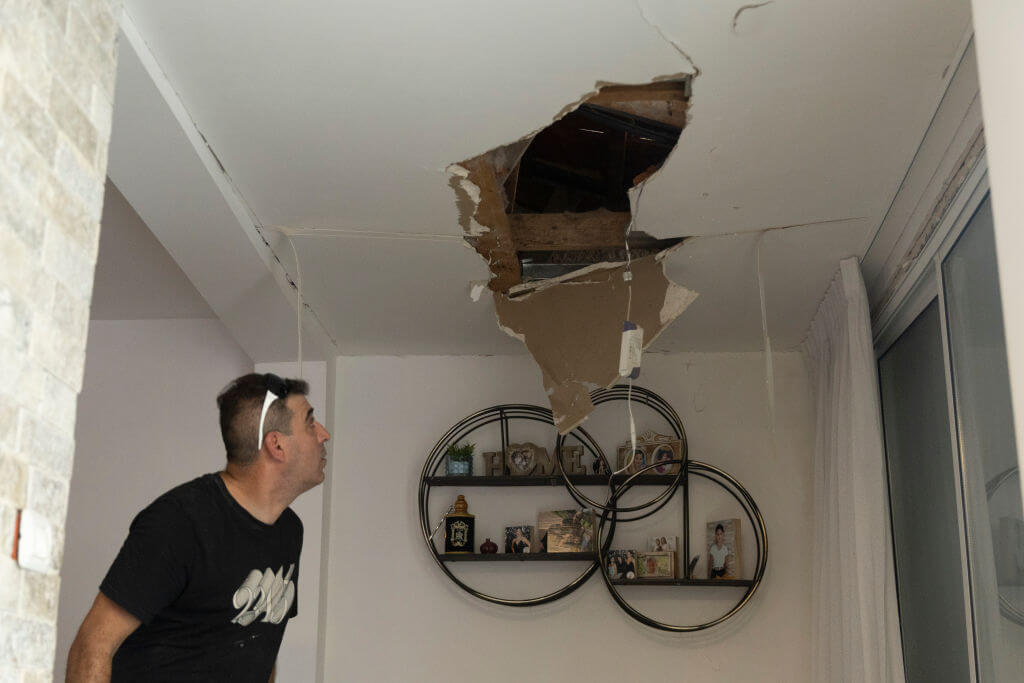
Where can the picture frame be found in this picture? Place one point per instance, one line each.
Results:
(723, 552)
(622, 565)
(651, 448)
(623, 463)
(520, 539)
(663, 543)
(666, 452)
(521, 459)
(566, 531)
(657, 565)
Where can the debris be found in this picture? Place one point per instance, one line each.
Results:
(550, 214)
(572, 327)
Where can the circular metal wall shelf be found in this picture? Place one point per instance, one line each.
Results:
(609, 511)
(501, 414)
(730, 484)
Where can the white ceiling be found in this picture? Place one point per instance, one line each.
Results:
(344, 115)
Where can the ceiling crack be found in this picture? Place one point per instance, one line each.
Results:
(674, 44)
(744, 8)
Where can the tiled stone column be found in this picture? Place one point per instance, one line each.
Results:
(57, 70)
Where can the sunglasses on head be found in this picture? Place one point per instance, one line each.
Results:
(276, 388)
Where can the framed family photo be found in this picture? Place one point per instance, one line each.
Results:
(651, 449)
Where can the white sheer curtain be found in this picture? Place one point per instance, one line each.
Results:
(856, 635)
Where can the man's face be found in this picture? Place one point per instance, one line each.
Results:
(305, 445)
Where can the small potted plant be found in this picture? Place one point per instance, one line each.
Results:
(459, 459)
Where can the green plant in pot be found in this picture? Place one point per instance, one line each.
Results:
(459, 459)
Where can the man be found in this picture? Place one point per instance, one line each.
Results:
(205, 582)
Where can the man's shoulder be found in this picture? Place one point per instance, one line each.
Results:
(190, 497)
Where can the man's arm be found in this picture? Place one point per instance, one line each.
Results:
(104, 629)
(273, 673)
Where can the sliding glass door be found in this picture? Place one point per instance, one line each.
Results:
(922, 502)
(984, 428)
(955, 503)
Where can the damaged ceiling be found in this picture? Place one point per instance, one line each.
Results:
(339, 121)
(550, 215)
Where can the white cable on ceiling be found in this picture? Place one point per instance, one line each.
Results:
(769, 369)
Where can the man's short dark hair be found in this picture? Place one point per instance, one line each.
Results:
(240, 403)
(719, 527)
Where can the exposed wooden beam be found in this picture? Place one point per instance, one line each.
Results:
(496, 245)
(599, 229)
(665, 101)
(663, 90)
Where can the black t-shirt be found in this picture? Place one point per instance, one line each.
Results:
(212, 585)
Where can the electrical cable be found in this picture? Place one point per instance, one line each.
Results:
(769, 369)
(628, 277)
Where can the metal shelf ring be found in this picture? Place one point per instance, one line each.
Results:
(479, 419)
(746, 501)
(622, 392)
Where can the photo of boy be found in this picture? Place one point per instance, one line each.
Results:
(723, 549)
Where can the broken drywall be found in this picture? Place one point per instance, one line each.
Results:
(572, 323)
(572, 327)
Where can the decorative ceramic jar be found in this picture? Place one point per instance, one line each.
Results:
(458, 528)
(488, 547)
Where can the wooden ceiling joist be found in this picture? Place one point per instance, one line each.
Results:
(601, 229)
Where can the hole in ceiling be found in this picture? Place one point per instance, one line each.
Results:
(558, 201)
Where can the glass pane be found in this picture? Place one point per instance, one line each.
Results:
(922, 496)
(981, 389)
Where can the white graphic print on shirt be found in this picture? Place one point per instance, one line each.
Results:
(266, 593)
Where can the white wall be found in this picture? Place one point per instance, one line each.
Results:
(998, 25)
(296, 661)
(393, 616)
(147, 421)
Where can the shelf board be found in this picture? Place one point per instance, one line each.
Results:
(586, 557)
(547, 480)
(518, 557)
(683, 582)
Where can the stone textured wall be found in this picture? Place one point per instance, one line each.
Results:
(57, 71)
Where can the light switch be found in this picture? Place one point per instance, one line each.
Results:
(35, 543)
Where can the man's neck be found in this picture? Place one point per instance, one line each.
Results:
(255, 492)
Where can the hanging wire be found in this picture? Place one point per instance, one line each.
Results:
(628, 277)
(769, 368)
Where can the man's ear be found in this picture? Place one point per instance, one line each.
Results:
(275, 446)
